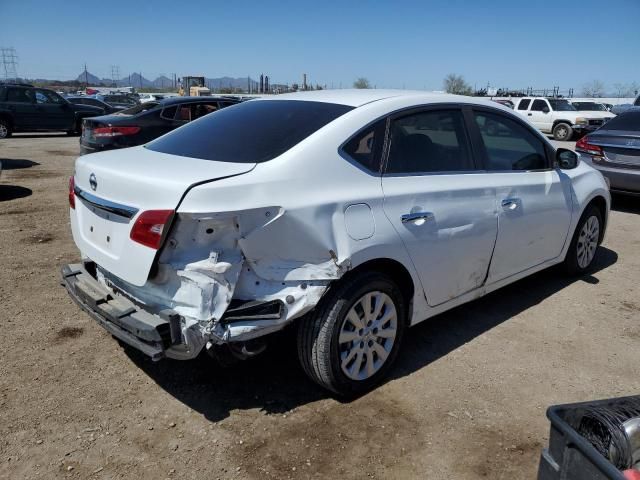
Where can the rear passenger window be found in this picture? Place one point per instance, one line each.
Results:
(433, 141)
(203, 109)
(509, 145)
(169, 112)
(366, 147)
(539, 105)
(524, 104)
(20, 95)
(184, 113)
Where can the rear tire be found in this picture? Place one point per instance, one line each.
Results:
(5, 128)
(346, 349)
(562, 132)
(77, 131)
(585, 242)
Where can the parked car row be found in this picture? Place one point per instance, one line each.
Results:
(145, 122)
(118, 120)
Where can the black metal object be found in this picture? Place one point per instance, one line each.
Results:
(253, 310)
(570, 455)
(123, 319)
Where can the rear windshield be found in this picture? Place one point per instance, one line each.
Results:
(250, 132)
(143, 107)
(629, 120)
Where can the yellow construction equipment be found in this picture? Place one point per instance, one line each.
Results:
(194, 86)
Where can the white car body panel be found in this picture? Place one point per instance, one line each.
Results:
(140, 179)
(287, 228)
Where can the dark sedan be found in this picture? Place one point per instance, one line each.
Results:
(614, 150)
(94, 102)
(145, 122)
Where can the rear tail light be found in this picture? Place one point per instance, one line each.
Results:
(584, 146)
(150, 227)
(115, 131)
(72, 195)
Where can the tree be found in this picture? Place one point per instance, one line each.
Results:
(593, 89)
(361, 83)
(455, 84)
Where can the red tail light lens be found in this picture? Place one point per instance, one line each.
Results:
(72, 195)
(150, 227)
(584, 146)
(115, 131)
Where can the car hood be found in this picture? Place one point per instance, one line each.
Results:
(594, 114)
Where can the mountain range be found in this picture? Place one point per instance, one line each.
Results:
(137, 80)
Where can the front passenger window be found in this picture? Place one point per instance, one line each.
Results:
(431, 141)
(509, 145)
(539, 105)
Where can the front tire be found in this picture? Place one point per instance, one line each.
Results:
(585, 242)
(562, 132)
(349, 342)
(5, 128)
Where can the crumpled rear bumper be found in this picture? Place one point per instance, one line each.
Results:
(151, 334)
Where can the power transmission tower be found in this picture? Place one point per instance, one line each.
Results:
(115, 74)
(9, 63)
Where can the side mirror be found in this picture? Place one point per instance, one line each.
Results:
(545, 110)
(566, 159)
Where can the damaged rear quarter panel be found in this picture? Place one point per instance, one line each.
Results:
(275, 233)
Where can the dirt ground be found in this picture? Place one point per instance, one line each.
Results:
(467, 398)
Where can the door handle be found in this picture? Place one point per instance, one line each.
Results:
(529, 114)
(411, 217)
(510, 203)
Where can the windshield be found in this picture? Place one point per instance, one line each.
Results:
(561, 105)
(251, 132)
(589, 106)
(143, 107)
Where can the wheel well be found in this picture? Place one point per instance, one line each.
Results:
(556, 122)
(8, 118)
(601, 204)
(395, 270)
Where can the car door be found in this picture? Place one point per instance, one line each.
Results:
(53, 111)
(534, 201)
(438, 202)
(21, 103)
(539, 115)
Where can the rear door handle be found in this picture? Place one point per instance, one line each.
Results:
(529, 114)
(411, 217)
(510, 203)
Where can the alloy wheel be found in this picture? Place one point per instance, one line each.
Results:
(367, 335)
(588, 241)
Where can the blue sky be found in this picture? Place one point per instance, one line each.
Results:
(403, 43)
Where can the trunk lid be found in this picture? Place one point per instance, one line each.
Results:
(114, 188)
(621, 148)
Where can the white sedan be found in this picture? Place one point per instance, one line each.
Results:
(348, 215)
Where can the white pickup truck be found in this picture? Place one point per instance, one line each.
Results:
(558, 117)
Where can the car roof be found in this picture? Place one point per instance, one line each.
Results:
(360, 97)
(174, 100)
